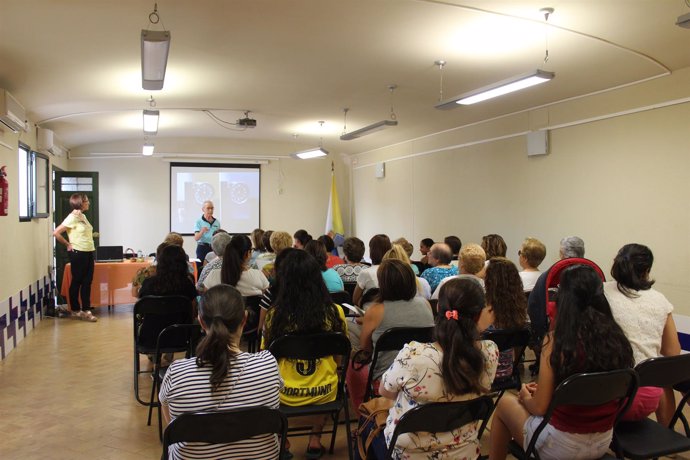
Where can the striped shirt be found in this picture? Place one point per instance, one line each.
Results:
(253, 380)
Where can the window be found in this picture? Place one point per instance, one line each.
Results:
(34, 184)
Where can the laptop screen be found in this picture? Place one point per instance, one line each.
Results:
(109, 254)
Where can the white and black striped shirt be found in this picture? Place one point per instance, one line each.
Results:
(253, 380)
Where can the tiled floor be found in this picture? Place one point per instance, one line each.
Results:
(66, 393)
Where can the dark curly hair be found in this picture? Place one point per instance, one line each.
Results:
(505, 294)
(171, 271)
(234, 258)
(494, 246)
(302, 304)
(586, 338)
(463, 363)
(222, 311)
(631, 269)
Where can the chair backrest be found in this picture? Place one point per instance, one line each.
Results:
(350, 287)
(441, 417)
(179, 337)
(251, 304)
(341, 297)
(152, 314)
(591, 389)
(394, 339)
(507, 339)
(664, 371)
(225, 426)
(553, 279)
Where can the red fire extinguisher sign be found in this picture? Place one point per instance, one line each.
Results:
(4, 186)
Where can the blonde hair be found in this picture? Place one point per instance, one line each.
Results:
(174, 238)
(407, 246)
(280, 241)
(397, 252)
(472, 258)
(533, 251)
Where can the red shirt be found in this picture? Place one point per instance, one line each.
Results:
(333, 260)
(584, 419)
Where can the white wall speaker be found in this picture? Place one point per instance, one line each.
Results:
(380, 171)
(538, 143)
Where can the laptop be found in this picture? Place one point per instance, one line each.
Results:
(109, 254)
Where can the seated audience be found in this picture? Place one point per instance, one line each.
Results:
(458, 366)
(455, 244)
(268, 256)
(257, 238)
(235, 269)
(586, 338)
(472, 258)
(146, 272)
(494, 246)
(318, 251)
(646, 318)
(174, 238)
(211, 256)
(570, 246)
(367, 279)
(424, 248)
(279, 242)
(302, 305)
(398, 253)
(439, 258)
(531, 254)
(172, 276)
(301, 239)
(353, 248)
(398, 305)
(332, 259)
(222, 377)
(506, 298)
(218, 244)
(409, 249)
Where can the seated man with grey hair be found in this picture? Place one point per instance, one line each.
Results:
(439, 257)
(571, 246)
(218, 243)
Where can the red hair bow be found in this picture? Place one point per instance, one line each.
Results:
(452, 314)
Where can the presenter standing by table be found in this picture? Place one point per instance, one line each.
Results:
(204, 229)
(80, 249)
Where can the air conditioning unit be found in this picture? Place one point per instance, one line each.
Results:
(44, 140)
(12, 114)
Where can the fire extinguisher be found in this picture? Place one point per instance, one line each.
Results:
(4, 186)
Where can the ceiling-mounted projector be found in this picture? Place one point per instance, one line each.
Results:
(247, 122)
(684, 21)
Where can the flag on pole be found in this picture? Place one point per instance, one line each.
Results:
(334, 220)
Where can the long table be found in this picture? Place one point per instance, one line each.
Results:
(112, 283)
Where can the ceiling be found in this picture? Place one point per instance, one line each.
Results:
(75, 64)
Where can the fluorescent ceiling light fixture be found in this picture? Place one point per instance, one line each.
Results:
(316, 152)
(498, 89)
(147, 150)
(155, 45)
(378, 126)
(151, 121)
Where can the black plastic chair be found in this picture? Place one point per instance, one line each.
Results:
(176, 337)
(341, 297)
(313, 347)
(226, 427)
(394, 339)
(442, 417)
(152, 314)
(589, 389)
(648, 438)
(350, 287)
(250, 333)
(684, 389)
(516, 339)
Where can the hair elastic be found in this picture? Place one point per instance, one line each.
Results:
(452, 314)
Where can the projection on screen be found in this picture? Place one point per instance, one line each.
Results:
(234, 190)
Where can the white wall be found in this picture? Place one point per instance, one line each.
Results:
(615, 180)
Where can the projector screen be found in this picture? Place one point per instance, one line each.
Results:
(234, 190)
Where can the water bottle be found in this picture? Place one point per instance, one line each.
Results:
(140, 256)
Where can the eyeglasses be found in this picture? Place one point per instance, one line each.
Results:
(519, 252)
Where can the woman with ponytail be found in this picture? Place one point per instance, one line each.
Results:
(457, 366)
(645, 316)
(222, 377)
(235, 270)
(586, 338)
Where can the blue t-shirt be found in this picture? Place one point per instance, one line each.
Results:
(334, 283)
(212, 226)
(434, 275)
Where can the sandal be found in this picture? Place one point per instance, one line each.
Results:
(87, 316)
(315, 453)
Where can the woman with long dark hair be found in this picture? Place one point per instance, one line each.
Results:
(457, 366)
(645, 316)
(586, 338)
(302, 305)
(235, 269)
(172, 276)
(222, 377)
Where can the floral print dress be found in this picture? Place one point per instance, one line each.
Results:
(416, 376)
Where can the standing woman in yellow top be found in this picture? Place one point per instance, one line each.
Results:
(80, 249)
